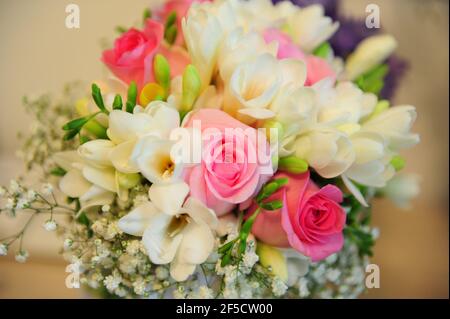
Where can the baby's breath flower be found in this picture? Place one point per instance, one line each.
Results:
(161, 272)
(50, 225)
(205, 293)
(179, 293)
(2, 191)
(106, 208)
(10, 203)
(3, 249)
(47, 189)
(22, 203)
(22, 256)
(14, 187)
(68, 243)
(31, 195)
(278, 287)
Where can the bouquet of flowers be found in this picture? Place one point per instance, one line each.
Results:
(234, 152)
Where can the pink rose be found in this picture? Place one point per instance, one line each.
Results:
(235, 161)
(311, 220)
(131, 59)
(180, 7)
(317, 68)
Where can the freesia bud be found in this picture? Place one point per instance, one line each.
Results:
(398, 162)
(381, 106)
(272, 257)
(151, 92)
(293, 164)
(191, 87)
(128, 181)
(369, 53)
(161, 70)
(271, 126)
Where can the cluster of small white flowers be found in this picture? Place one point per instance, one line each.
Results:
(22, 256)
(3, 249)
(279, 287)
(50, 225)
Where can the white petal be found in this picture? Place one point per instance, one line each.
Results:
(169, 197)
(153, 158)
(73, 184)
(354, 190)
(66, 159)
(181, 271)
(165, 117)
(199, 212)
(124, 126)
(294, 71)
(161, 248)
(97, 151)
(103, 177)
(197, 244)
(120, 156)
(137, 221)
(258, 113)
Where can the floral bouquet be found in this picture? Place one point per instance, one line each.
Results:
(234, 152)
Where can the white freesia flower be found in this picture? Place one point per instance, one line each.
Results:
(172, 231)
(327, 150)
(239, 47)
(343, 104)
(310, 28)
(204, 29)
(254, 85)
(369, 53)
(402, 188)
(394, 125)
(91, 185)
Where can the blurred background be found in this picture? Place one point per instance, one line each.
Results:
(38, 54)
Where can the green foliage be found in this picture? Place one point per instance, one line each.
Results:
(373, 80)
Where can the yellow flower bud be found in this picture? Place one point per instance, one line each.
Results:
(150, 93)
(272, 257)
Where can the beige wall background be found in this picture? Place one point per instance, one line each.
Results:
(38, 54)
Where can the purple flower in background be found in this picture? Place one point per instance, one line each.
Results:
(397, 70)
(350, 33)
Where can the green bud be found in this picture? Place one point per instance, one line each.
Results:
(191, 87)
(132, 97)
(161, 70)
(147, 14)
(58, 171)
(170, 35)
(323, 51)
(98, 99)
(274, 205)
(96, 128)
(292, 164)
(381, 106)
(171, 19)
(117, 104)
(398, 162)
(121, 29)
(128, 181)
(76, 124)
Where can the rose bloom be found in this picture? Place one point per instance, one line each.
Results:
(180, 7)
(317, 68)
(131, 59)
(233, 165)
(311, 220)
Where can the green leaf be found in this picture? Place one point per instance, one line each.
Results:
(58, 171)
(373, 80)
(170, 35)
(70, 135)
(76, 124)
(147, 14)
(98, 99)
(117, 104)
(121, 29)
(323, 51)
(171, 19)
(132, 97)
(225, 247)
(274, 205)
